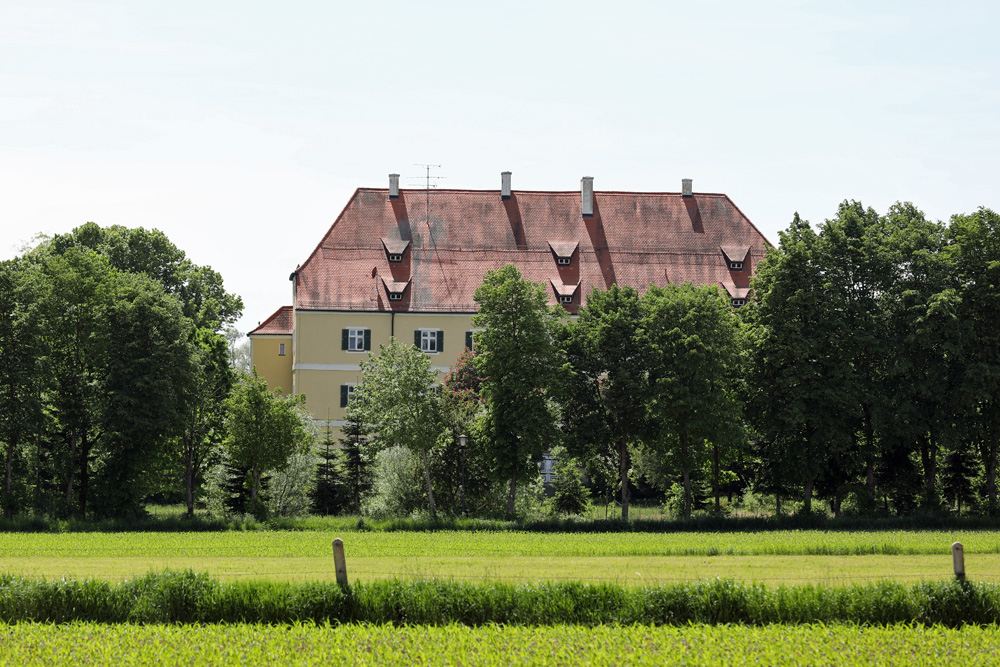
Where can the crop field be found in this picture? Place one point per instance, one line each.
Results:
(629, 558)
(40, 644)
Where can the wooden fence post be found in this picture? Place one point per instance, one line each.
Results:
(958, 558)
(340, 563)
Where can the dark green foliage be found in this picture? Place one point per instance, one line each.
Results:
(330, 495)
(357, 464)
(186, 597)
(570, 495)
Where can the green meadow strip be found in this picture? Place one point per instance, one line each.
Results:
(277, 544)
(187, 597)
(306, 644)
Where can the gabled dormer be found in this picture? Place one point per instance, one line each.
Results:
(395, 249)
(565, 294)
(737, 295)
(735, 256)
(563, 251)
(395, 291)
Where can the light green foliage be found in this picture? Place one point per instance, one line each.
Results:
(397, 403)
(307, 644)
(515, 355)
(263, 429)
(570, 495)
(290, 488)
(396, 489)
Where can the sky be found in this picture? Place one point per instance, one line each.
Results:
(241, 129)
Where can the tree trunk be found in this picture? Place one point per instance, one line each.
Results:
(715, 478)
(427, 478)
(624, 464)
(9, 483)
(988, 451)
(838, 499)
(84, 473)
(928, 458)
(807, 500)
(777, 504)
(188, 478)
(870, 457)
(72, 473)
(687, 476)
(512, 494)
(256, 484)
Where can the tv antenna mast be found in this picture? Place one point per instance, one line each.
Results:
(428, 184)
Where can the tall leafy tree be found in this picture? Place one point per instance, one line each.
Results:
(515, 356)
(797, 379)
(692, 334)
(975, 253)
(604, 380)
(21, 372)
(399, 405)
(263, 429)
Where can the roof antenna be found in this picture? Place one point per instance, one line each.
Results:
(427, 181)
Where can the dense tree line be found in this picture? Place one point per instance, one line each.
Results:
(115, 378)
(864, 370)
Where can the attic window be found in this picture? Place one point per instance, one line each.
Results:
(395, 296)
(565, 298)
(563, 261)
(395, 257)
(739, 302)
(735, 266)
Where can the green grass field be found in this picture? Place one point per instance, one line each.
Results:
(125, 645)
(779, 557)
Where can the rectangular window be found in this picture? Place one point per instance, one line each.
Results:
(346, 394)
(356, 339)
(394, 257)
(739, 302)
(563, 298)
(395, 296)
(281, 349)
(429, 340)
(563, 261)
(736, 266)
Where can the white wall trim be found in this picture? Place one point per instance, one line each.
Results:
(326, 367)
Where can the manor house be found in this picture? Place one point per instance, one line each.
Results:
(405, 263)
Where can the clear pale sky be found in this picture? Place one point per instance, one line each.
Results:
(240, 129)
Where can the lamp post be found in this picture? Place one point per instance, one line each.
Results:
(461, 449)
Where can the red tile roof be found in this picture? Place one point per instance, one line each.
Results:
(633, 238)
(280, 323)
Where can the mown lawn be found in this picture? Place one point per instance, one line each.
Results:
(779, 557)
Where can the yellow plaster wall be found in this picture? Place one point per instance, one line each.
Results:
(270, 365)
(318, 341)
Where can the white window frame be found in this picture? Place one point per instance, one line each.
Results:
(395, 257)
(351, 386)
(429, 341)
(356, 336)
(564, 298)
(739, 302)
(281, 349)
(735, 266)
(563, 261)
(395, 296)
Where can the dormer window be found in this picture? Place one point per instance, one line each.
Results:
(394, 290)
(739, 302)
(735, 266)
(563, 261)
(395, 296)
(563, 251)
(565, 298)
(395, 249)
(735, 256)
(395, 257)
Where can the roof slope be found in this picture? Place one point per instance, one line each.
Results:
(633, 238)
(279, 323)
